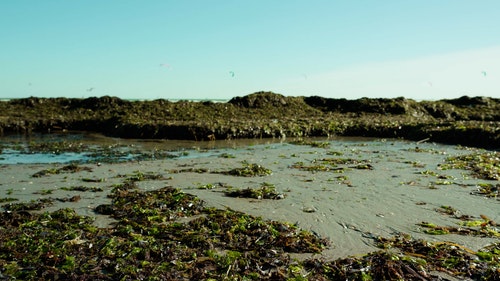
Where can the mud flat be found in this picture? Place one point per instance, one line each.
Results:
(321, 209)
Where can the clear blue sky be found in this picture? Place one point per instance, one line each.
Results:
(218, 49)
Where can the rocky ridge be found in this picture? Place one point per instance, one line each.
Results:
(470, 121)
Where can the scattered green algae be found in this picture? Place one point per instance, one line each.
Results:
(166, 234)
(56, 144)
(72, 168)
(301, 141)
(32, 205)
(265, 191)
(83, 188)
(316, 167)
(467, 224)
(336, 165)
(488, 190)
(483, 165)
(56, 147)
(221, 244)
(148, 241)
(485, 230)
(7, 199)
(248, 170)
(416, 257)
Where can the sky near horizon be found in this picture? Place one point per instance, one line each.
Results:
(219, 49)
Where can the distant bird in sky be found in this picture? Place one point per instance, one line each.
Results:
(90, 89)
(231, 73)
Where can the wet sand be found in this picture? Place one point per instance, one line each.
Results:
(349, 208)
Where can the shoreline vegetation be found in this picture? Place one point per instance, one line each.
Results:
(468, 121)
(168, 234)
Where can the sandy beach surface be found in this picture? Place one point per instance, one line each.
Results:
(382, 187)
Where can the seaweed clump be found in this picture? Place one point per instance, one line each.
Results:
(163, 234)
(71, 168)
(169, 235)
(266, 191)
(488, 190)
(248, 170)
(33, 205)
(484, 165)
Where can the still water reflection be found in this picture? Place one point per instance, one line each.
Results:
(81, 147)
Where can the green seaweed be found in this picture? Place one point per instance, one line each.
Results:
(265, 191)
(301, 141)
(29, 206)
(248, 170)
(7, 199)
(71, 168)
(83, 188)
(485, 165)
(488, 190)
(148, 242)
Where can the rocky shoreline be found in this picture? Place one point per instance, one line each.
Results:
(469, 121)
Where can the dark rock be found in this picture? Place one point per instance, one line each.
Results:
(260, 100)
(102, 102)
(472, 101)
(104, 209)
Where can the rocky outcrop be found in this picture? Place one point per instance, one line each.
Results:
(471, 121)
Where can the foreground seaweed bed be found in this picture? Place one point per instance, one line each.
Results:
(167, 234)
(467, 121)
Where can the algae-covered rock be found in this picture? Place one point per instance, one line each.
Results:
(383, 106)
(264, 99)
(466, 120)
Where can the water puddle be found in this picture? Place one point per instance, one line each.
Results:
(81, 148)
(92, 148)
